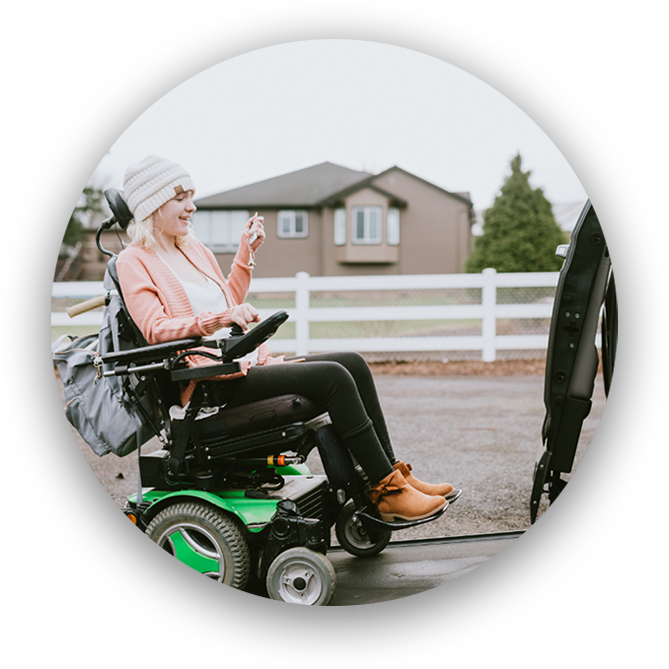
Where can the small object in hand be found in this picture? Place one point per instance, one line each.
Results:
(252, 239)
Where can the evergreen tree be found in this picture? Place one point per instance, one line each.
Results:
(74, 231)
(519, 232)
(89, 205)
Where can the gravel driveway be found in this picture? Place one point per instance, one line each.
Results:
(480, 433)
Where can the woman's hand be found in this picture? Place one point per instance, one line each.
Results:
(254, 230)
(243, 314)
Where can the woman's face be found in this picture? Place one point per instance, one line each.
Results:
(173, 217)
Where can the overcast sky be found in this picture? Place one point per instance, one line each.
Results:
(363, 105)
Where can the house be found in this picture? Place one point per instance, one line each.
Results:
(330, 220)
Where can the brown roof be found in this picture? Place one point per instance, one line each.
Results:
(303, 188)
(320, 185)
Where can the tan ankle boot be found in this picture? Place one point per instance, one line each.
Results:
(396, 499)
(442, 489)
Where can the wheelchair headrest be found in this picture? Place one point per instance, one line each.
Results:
(119, 207)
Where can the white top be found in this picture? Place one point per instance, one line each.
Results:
(209, 297)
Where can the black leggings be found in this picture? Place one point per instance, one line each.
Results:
(344, 385)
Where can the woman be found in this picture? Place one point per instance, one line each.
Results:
(174, 288)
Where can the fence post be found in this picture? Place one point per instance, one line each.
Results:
(302, 314)
(489, 325)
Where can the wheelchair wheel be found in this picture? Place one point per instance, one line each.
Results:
(205, 539)
(301, 576)
(353, 537)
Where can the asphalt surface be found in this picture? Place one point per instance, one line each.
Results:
(482, 434)
(404, 570)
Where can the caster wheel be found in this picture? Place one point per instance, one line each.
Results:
(205, 539)
(301, 576)
(353, 537)
(540, 476)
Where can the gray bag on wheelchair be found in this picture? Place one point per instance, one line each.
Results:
(97, 406)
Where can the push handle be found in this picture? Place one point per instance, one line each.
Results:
(88, 305)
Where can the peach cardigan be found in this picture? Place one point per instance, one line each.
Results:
(160, 308)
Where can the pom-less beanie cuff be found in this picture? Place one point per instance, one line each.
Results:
(152, 182)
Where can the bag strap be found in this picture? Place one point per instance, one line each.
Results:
(138, 424)
(55, 347)
(182, 429)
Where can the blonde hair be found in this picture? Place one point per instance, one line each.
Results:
(141, 232)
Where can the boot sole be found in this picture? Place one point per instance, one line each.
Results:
(390, 517)
(452, 496)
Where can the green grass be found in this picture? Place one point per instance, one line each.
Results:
(75, 330)
(342, 330)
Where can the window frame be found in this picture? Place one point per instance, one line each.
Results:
(292, 234)
(395, 238)
(366, 240)
(340, 221)
(234, 239)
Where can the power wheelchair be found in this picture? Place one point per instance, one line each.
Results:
(229, 493)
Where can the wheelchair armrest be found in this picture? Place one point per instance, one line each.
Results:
(205, 371)
(150, 353)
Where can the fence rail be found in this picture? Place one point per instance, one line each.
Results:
(478, 296)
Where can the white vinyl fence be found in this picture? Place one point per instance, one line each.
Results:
(485, 312)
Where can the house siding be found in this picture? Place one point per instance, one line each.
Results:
(435, 233)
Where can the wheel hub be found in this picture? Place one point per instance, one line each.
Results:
(300, 584)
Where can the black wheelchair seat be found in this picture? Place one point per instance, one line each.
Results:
(258, 428)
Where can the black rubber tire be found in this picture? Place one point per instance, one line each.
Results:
(353, 538)
(208, 531)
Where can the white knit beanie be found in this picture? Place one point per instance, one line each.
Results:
(151, 182)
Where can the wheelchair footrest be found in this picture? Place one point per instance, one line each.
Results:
(376, 523)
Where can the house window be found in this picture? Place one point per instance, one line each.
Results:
(366, 225)
(393, 226)
(340, 227)
(220, 231)
(292, 224)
